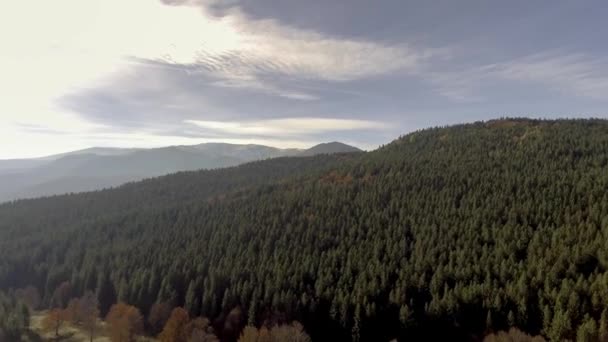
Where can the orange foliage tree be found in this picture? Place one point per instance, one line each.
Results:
(200, 330)
(176, 329)
(84, 311)
(180, 328)
(89, 311)
(124, 323)
(53, 320)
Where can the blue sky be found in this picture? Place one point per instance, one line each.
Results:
(146, 73)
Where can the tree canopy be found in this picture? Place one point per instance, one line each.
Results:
(452, 231)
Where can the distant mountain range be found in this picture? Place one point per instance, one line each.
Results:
(99, 168)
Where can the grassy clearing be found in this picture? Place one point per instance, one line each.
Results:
(67, 333)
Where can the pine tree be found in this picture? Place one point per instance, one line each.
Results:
(587, 332)
(192, 301)
(511, 318)
(560, 326)
(603, 329)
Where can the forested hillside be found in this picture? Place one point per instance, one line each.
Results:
(456, 231)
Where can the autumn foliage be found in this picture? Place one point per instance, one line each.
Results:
(84, 311)
(180, 328)
(124, 323)
(201, 331)
(54, 319)
(175, 329)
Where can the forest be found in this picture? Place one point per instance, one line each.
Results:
(454, 233)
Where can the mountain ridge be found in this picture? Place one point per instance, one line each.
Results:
(108, 167)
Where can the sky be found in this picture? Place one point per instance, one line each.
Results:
(286, 73)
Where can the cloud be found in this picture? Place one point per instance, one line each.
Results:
(271, 47)
(576, 73)
(268, 88)
(255, 54)
(566, 73)
(93, 51)
(160, 95)
(287, 126)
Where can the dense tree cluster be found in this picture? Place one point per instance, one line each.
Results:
(459, 231)
(14, 317)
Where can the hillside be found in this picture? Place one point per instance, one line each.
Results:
(99, 168)
(446, 232)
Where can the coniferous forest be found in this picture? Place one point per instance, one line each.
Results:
(450, 233)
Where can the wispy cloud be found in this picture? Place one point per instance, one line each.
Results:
(577, 73)
(253, 54)
(96, 41)
(254, 84)
(567, 73)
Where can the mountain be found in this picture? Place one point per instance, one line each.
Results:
(328, 148)
(98, 168)
(16, 165)
(444, 234)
